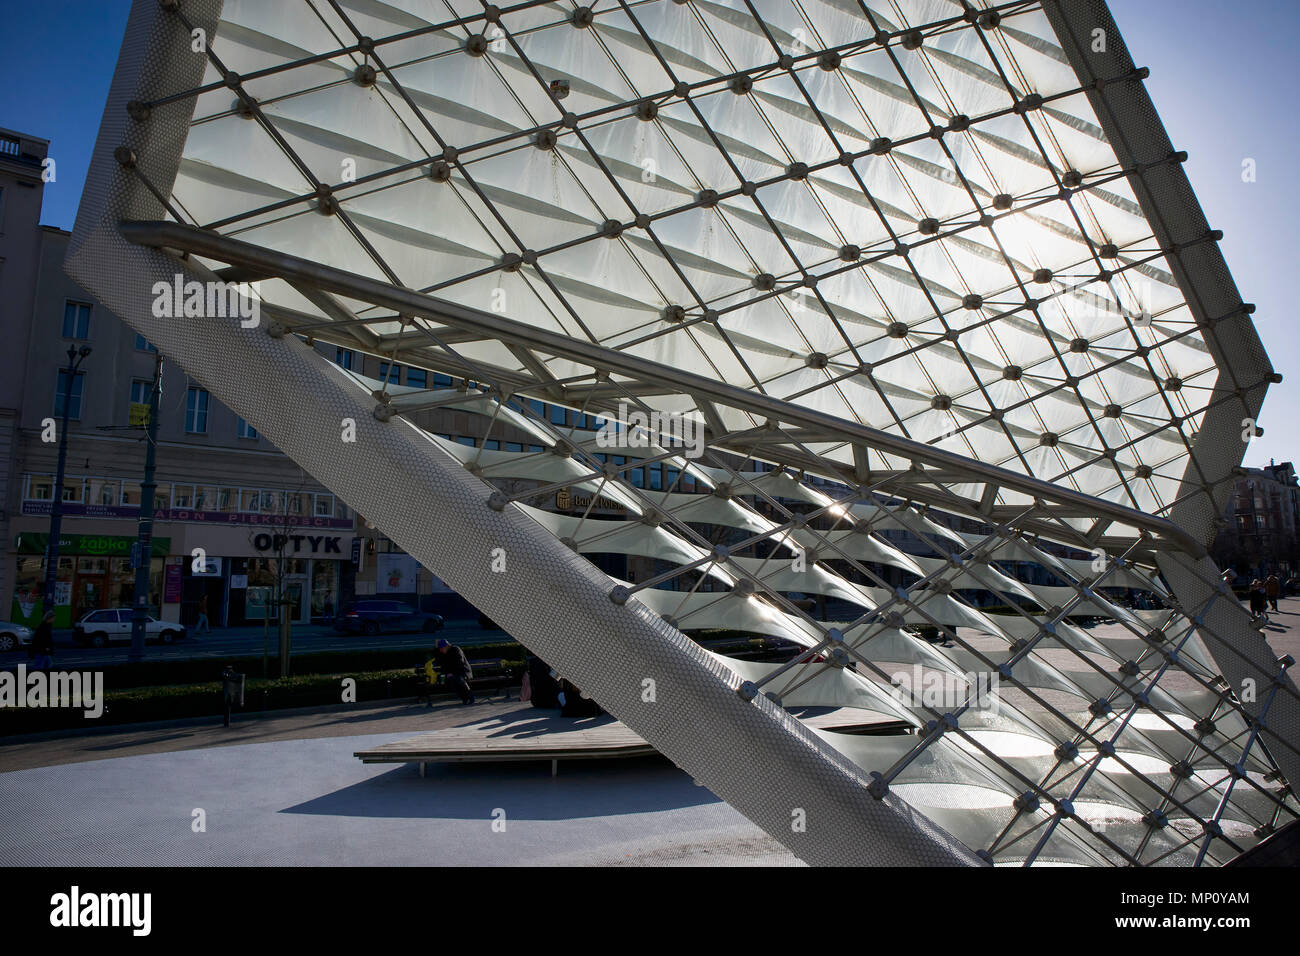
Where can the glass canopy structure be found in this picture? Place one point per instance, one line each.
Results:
(892, 330)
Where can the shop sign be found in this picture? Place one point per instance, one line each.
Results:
(99, 545)
(296, 543)
(172, 583)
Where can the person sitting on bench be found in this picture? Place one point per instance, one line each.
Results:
(451, 661)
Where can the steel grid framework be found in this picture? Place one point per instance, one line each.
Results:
(944, 258)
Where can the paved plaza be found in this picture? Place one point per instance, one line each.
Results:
(287, 789)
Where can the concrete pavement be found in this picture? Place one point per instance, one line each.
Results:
(287, 791)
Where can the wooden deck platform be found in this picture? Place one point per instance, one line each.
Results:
(527, 733)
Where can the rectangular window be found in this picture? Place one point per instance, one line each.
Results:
(140, 391)
(76, 320)
(102, 491)
(393, 378)
(144, 345)
(324, 506)
(73, 397)
(246, 430)
(441, 381)
(514, 446)
(131, 494)
(182, 496)
(538, 407)
(417, 378)
(344, 357)
(40, 488)
(196, 411)
(559, 415)
(492, 444)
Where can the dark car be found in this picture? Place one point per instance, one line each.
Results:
(371, 617)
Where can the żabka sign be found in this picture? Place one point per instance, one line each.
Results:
(185, 514)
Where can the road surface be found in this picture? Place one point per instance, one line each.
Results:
(248, 641)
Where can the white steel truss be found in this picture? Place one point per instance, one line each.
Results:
(923, 281)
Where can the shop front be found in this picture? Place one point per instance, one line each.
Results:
(242, 572)
(95, 571)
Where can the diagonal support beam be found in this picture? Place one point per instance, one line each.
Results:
(159, 234)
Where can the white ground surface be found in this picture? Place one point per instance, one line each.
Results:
(311, 803)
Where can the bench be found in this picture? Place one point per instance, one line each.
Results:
(506, 679)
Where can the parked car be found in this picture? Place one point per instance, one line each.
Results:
(371, 617)
(99, 628)
(14, 636)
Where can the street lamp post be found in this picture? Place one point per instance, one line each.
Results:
(144, 538)
(75, 358)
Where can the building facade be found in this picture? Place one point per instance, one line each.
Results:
(234, 518)
(228, 505)
(21, 188)
(1259, 531)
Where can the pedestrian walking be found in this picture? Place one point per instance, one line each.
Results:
(1258, 599)
(1272, 589)
(203, 624)
(42, 653)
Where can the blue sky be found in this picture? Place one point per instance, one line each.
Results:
(1222, 78)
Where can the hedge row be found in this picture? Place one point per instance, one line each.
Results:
(166, 690)
(198, 670)
(137, 704)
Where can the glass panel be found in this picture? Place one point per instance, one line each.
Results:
(40, 487)
(205, 498)
(103, 491)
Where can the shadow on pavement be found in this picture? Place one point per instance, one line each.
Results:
(587, 788)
